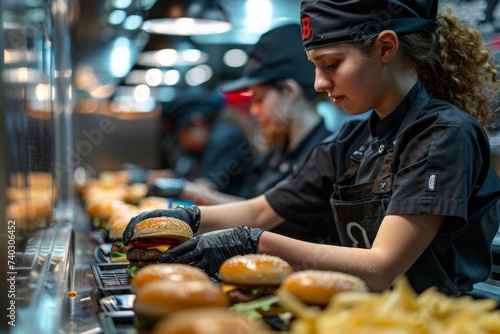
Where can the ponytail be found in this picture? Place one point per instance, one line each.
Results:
(455, 65)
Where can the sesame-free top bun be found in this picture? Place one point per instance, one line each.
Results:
(209, 321)
(101, 210)
(163, 227)
(158, 298)
(153, 202)
(172, 272)
(118, 221)
(254, 269)
(316, 287)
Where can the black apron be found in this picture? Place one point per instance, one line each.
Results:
(359, 209)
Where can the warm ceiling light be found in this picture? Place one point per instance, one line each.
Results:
(170, 51)
(152, 77)
(18, 56)
(185, 18)
(23, 75)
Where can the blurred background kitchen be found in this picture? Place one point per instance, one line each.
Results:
(82, 89)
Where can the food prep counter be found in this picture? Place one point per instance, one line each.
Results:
(55, 288)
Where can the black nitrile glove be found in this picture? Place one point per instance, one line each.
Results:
(208, 251)
(166, 187)
(188, 214)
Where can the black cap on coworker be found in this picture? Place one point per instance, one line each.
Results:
(278, 55)
(328, 22)
(187, 105)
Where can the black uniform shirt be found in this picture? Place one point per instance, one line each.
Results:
(225, 160)
(272, 167)
(442, 168)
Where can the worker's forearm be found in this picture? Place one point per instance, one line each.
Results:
(203, 195)
(255, 213)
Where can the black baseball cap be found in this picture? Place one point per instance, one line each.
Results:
(329, 22)
(278, 55)
(187, 105)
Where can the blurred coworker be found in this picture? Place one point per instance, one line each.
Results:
(284, 100)
(212, 151)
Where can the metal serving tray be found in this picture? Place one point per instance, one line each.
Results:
(116, 303)
(121, 322)
(111, 278)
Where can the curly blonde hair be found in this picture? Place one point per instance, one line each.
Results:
(455, 65)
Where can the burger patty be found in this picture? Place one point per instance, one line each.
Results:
(123, 249)
(141, 264)
(143, 254)
(246, 294)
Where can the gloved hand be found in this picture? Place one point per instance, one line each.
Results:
(208, 251)
(166, 187)
(190, 215)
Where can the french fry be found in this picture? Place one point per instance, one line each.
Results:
(307, 314)
(399, 310)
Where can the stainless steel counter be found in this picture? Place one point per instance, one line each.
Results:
(56, 262)
(84, 313)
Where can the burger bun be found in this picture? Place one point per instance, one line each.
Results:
(166, 272)
(317, 287)
(163, 227)
(254, 269)
(209, 321)
(159, 298)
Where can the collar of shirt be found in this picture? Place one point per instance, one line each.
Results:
(390, 124)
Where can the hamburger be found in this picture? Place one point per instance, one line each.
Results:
(250, 282)
(136, 192)
(152, 237)
(95, 191)
(100, 210)
(317, 287)
(171, 272)
(158, 299)
(209, 320)
(116, 225)
(153, 203)
(30, 214)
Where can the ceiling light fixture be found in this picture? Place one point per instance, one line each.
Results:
(185, 18)
(170, 51)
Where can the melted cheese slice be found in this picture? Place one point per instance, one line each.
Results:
(227, 287)
(162, 248)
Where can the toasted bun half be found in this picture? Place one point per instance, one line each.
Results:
(119, 220)
(159, 298)
(167, 272)
(317, 287)
(163, 227)
(104, 208)
(254, 269)
(153, 202)
(209, 321)
(115, 230)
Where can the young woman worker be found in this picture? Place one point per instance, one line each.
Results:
(412, 188)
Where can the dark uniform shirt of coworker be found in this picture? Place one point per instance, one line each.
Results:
(270, 168)
(443, 142)
(224, 161)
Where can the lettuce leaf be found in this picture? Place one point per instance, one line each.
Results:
(250, 308)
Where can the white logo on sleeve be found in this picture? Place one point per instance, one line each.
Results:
(431, 182)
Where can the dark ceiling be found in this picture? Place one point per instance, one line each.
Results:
(95, 39)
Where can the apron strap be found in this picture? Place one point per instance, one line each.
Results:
(383, 181)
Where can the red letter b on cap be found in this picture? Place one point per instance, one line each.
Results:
(306, 28)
